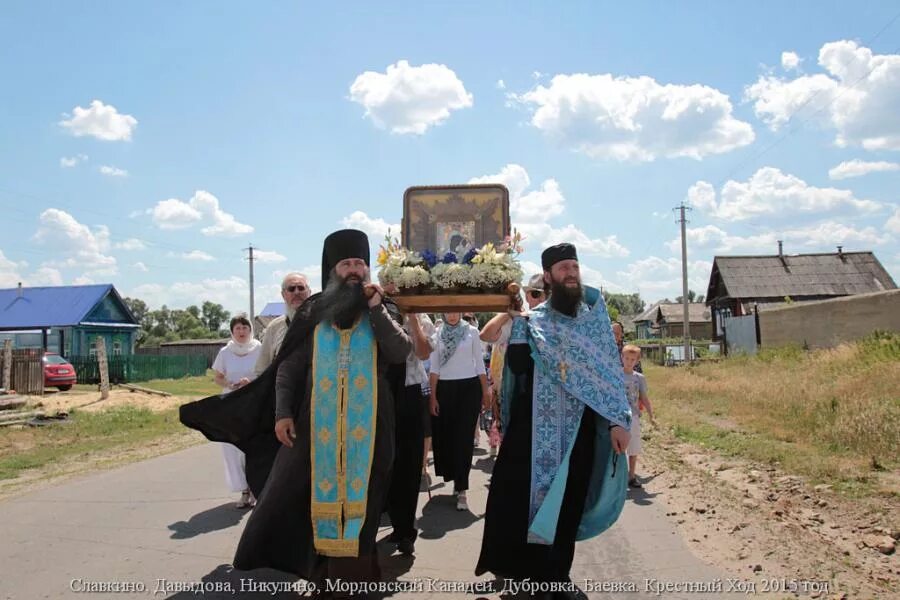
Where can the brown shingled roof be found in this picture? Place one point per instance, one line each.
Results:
(674, 313)
(799, 275)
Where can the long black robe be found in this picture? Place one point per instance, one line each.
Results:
(279, 532)
(409, 405)
(505, 550)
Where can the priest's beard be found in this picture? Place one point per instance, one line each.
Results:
(342, 301)
(565, 299)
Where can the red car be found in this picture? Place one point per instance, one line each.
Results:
(58, 372)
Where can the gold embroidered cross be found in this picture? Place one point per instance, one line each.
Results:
(563, 367)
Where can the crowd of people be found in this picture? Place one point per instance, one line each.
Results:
(329, 421)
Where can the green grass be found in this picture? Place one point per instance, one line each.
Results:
(186, 386)
(89, 432)
(830, 415)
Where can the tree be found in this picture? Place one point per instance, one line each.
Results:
(140, 311)
(625, 304)
(692, 297)
(169, 325)
(214, 316)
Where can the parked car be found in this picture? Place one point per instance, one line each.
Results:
(58, 372)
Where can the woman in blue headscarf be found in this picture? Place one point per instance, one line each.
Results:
(459, 390)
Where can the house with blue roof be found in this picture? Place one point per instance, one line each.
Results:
(262, 320)
(67, 319)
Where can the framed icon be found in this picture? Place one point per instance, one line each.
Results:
(454, 218)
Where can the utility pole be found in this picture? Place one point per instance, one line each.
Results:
(684, 283)
(250, 259)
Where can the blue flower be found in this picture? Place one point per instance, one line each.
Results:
(467, 259)
(429, 258)
(449, 259)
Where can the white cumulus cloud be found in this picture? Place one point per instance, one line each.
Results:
(857, 96)
(67, 162)
(130, 244)
(655, 276)
(790, 61)
(76, 244)
(858, 168)
(635, 118)
(530, 211)
(202, 207)
(101, 121)
(771, 192)
(268, 256)
(818, 237)
(893, 224)
(409, 99)
(375, 227)
(113, 171)
(195, 255)
(139, 266)
(535, 206)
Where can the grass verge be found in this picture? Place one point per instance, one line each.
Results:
(186, 386)
(830, 415)
(87, 433)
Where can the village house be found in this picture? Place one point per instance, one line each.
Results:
(739, 284)
(67, 319)
(666, 320)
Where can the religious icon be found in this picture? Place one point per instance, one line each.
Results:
(454, 236)
(454, 218)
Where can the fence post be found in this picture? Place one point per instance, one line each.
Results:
(7, 364)
(104, 368)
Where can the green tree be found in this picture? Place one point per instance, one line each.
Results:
(625, 304)
(140, 311)
(214, 316)
(692, 297)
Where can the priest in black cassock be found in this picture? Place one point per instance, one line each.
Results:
(557, 478)
(318, 427)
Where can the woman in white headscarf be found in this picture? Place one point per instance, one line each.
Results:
(459, 390)
(234, 368)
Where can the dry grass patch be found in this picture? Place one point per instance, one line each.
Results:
(832, 415)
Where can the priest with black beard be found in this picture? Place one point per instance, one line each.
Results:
(327, 401)
(557, 478)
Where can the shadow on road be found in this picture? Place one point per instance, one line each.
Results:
(213, 519)
(439, 516)
(641, 496)
(485, 465)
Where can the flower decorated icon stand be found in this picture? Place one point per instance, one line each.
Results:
(473, 301)
(485, 279)
(456, 254)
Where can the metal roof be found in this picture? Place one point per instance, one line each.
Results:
(59, 306)
(272, 309)
(798, 275)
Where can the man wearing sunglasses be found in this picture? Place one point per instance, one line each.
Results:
(294, 292)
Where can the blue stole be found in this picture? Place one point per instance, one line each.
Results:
(576, 364)
(343, 408)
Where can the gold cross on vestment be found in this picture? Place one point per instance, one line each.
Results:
(563, 367)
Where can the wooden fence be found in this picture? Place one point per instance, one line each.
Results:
(26, 371)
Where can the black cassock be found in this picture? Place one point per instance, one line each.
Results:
(505, 551)
(279, 532)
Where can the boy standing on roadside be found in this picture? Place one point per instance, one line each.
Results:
(636, 391)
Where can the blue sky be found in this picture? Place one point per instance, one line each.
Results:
(147, 144)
